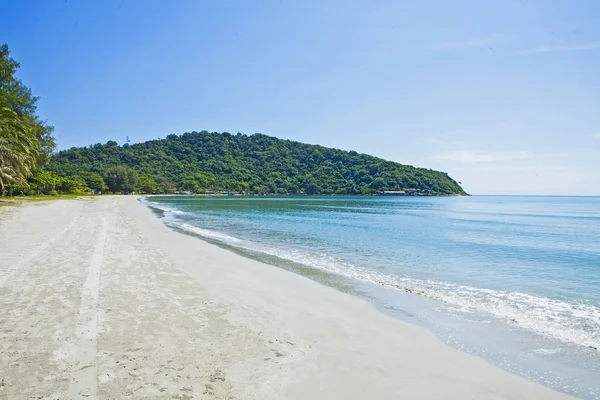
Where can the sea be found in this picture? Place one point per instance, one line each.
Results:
(512, 279)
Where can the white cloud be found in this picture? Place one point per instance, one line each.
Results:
(479, 156)
(485, 41)
(517, 168)
(596, 136)
(568, 47)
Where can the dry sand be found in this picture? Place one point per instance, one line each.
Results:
(98, 299)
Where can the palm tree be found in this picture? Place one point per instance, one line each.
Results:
(18, 149)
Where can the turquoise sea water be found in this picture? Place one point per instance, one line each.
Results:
(513, 279)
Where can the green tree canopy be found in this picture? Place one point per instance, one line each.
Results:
(94, 181)
(18, 149)
(19, 107)
(203, 161)
(148, 184)
(121, 178)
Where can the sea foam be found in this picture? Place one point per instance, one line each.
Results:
(571, 322)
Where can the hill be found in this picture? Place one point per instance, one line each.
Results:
(201, 161)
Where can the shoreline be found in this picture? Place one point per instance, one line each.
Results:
(179, 316)
(556, 363)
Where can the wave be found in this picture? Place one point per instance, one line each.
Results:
(575, 322)
(160, 207)
(207, 233)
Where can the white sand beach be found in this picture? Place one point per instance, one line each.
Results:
(100, 300)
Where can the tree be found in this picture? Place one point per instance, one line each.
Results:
(312, 186)
(121, 178)
(68, 185)
(165, 185)
(94, 181)
(190, 184)
(148, 185)
(18, 149)
(19, 98)
(26, 141)
(44, 181)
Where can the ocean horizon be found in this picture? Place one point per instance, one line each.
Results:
(513, 279)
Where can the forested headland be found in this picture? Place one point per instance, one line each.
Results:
(203, 161)
(197, 162)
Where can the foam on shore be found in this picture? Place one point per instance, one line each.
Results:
(575, 323)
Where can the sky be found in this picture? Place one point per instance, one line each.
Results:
(503, 95)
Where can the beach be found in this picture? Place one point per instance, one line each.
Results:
(99, 299)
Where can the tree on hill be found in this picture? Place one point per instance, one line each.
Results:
(121, 178)
(94, 181)
(148, 184)
(203, 161)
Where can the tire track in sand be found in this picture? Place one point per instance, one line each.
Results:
(84, 384)
(31, 256)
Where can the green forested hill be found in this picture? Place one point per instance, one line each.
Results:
(200, 161)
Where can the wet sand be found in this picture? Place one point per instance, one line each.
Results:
(98, 299)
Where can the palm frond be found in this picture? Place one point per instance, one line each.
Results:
(18, 149)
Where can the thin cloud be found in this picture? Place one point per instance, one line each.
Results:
(568, 47)
(596, 136)
(518, 168)
(486, 41)
(478, 156)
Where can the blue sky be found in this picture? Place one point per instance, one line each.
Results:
(503, 95)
